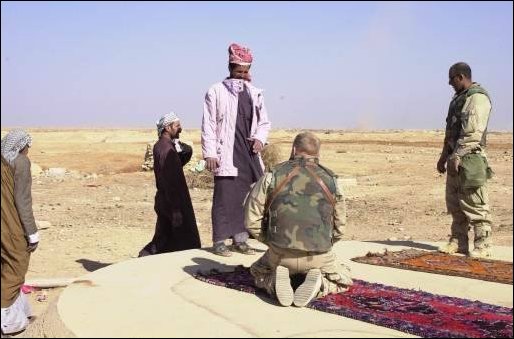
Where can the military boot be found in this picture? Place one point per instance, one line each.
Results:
(454, 246)
(482, 241)
(309, 289)
(481, 253)
(283, 289)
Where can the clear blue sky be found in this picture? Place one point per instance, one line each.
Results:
(322, 65)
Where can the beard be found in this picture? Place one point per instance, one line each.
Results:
(177, 134)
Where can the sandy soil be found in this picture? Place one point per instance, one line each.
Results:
(101, 211)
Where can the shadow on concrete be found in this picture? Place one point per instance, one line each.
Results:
(205, 266)
(91, 265)
(407, 243)
(234, 252)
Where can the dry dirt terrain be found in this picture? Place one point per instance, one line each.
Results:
(100, 211)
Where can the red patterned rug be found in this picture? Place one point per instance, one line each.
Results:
(410, 311)
(442, 263)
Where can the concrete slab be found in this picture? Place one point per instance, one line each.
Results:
(156, 296)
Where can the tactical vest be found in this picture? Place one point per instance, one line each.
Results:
(454, 118)
(301, 213)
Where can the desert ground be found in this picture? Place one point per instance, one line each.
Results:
(99, 210)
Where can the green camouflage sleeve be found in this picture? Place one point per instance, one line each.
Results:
(475, 115)
(254, 206)
(339, 214)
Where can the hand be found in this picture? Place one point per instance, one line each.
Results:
(257, 145)
(211, 164)
(176, 218)
(453, 166)
(31, 247)
(441, 165)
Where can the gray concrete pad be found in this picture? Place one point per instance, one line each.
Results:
(157, 296)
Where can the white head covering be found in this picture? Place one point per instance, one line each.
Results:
(13, 143)
(164, 121)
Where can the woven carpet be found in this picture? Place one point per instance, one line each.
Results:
(410, 311)
(442, 263)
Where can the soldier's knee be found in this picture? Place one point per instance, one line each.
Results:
(482, 227)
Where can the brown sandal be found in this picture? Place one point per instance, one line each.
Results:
(243, 248)
(222, 250)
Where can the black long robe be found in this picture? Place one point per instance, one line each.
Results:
(171, 200)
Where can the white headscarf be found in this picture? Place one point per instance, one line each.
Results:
(13, 143)
(164, 121)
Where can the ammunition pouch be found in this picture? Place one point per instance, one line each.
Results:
(474, 170)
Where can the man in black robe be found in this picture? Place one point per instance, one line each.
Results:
(176, 228)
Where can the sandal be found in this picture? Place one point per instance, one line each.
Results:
(222, 250)
(243, 248)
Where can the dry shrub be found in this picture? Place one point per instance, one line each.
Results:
(203, 179)
(271, 156)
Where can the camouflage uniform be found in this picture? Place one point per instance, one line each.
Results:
(301, 224)
(466, 129)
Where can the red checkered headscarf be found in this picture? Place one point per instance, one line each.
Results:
(239, 55)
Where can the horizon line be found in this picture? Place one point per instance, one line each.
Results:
(63, 128)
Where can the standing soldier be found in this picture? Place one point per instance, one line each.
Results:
(464, 158)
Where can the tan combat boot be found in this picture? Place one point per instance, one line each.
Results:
(283, 289)
(309, 289)
(481, 253)
(482, 241)
(453, 247)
